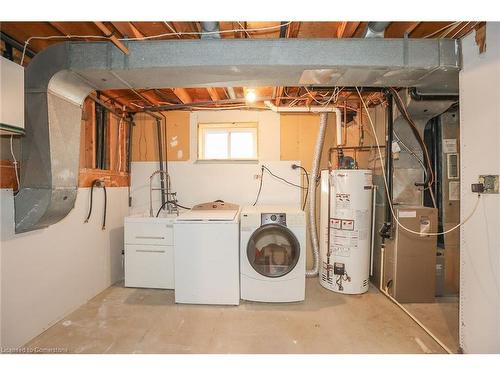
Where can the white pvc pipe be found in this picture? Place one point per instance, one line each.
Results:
(323, 121)
(312, 109)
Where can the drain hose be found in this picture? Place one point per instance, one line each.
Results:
(312, 194)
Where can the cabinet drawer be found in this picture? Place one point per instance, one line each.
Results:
(149, 233)
(149, 266)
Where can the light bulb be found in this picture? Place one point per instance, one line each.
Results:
(250, 96)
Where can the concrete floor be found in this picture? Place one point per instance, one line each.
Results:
(123, 320)
(441, 318)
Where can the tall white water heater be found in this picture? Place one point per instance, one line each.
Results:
(346, 230)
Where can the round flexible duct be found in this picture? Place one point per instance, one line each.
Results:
(312, 194)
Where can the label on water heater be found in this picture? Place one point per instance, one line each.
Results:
(343, 201)
(348, 224)
(335, 223)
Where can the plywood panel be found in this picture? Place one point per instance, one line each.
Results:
(87, 138)
(144, 142)
(177, 138)
(298, 133)
(7, 175)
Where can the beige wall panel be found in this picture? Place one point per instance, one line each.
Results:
(144, 142)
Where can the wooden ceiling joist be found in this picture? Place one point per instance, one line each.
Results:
(341, 29)
(59, 27)
(127, 29)
(107, 32)
(214, 95)
(183, 95)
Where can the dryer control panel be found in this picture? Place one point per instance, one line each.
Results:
(273, 218)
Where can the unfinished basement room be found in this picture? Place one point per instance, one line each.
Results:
(291, 185)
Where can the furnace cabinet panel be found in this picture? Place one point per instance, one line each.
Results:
(410, 261)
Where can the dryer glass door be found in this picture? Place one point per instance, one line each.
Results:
(273, 250)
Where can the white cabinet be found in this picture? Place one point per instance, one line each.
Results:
(149, 252)
(11, 97)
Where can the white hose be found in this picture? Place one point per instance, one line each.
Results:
(312, 194)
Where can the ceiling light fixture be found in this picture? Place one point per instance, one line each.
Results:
(250, 95)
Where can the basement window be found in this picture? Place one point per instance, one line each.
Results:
(227, 141)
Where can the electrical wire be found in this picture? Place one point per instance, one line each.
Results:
(441, 29)
(14, 162)
(307, 179)
(404, 112)
(260, 185)
(172, 202)
(282, 179)
(95, 183)
(178, 33)
(387, 188)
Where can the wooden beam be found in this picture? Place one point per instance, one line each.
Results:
(150, 96)
(412, 27)
(293, 30)
(214, 95)
(107, 32)
(182, 94)
(127, 29)
(341, 29)
(279, 94)
(111, 178)
(351, 28)
(59, 27)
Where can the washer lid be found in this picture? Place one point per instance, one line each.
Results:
(208, 215)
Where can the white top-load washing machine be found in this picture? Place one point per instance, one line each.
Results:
(206, 255)
(273, 253)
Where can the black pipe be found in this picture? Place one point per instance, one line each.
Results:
(9, 52)
(385, 231)
(131, 125)
(14, 43)
(415, 95)
(160, 159)
(99, 183)
(283, 29)
(99, 136)
(413, 127)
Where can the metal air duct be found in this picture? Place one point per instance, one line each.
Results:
(375, 29)
(212, 28)
(50, 165)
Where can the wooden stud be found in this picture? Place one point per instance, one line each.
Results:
(107, 32)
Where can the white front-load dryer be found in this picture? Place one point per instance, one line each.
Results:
(272, 254)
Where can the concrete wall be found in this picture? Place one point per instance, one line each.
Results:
(480, 237)
(235, 182)
(47, 273)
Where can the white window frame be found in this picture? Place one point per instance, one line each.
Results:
(230, 127)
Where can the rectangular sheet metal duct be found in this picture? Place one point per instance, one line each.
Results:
(60, 77)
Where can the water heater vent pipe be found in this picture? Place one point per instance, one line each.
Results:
(323, 122)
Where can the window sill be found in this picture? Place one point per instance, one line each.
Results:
(226, 161)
